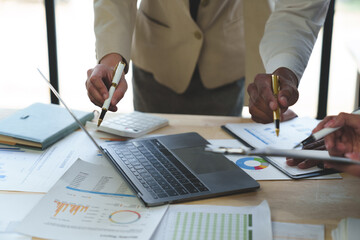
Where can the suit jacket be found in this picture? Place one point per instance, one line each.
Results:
(164, 39)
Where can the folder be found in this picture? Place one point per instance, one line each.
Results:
(39, 125)
(262, 138)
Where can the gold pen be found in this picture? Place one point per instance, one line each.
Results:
(119, 68)
(276, 113)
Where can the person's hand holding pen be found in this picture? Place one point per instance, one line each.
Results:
(99, 81)
(262, 102)
(345, 141)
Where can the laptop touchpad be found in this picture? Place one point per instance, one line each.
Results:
(201, 161)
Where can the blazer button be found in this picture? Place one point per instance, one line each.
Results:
(204, 3)
(197, 35)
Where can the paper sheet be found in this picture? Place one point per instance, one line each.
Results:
(291, 231)
(23, 169)
(348, 229)
(215, 222)
(263, 135)
(91, 202)
(13, 209)
(257, 167)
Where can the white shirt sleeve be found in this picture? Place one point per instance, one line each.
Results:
(114, 23)
(290, 34)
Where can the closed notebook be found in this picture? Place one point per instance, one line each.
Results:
(39, 125)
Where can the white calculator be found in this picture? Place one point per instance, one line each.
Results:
(134, 124)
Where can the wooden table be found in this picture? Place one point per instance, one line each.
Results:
(297, 201)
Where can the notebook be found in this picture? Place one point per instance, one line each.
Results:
(39, 125)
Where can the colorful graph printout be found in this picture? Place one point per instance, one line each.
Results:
(101, 209)
(124, 217)
(252, 163)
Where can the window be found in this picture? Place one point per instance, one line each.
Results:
(23, 48)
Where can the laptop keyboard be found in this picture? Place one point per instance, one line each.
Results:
(157, 169)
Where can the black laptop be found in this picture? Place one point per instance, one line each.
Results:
(176, 168)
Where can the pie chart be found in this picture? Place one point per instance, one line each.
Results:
(252, 163)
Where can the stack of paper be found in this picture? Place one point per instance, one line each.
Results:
(91, 202)
(348, 229)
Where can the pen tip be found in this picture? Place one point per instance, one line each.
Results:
(277, 131)
(297, 145)
(99, 122)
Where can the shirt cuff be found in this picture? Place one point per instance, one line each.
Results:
(287, 60)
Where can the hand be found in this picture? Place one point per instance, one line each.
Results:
(352, 169)
(262, 102)
(344, 140)
(288, 115)
(307, 163)
(99, 81)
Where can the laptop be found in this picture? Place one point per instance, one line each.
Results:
(172, 168)
(176, 168)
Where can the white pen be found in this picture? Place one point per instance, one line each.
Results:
(320, 134)
(115, 81)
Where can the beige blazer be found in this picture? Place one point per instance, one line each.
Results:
(168, 43)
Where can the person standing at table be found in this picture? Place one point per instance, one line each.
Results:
(188, 56)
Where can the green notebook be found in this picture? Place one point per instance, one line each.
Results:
(40, 125)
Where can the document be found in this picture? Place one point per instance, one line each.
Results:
(348, 229)
(91, 202)
(13, 208)
(257, 167)
(23, 169)
(291, 231)
(263, 135)
(215, 222)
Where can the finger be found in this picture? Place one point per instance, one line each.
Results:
(258, 104)
(257, 107)
(294, 162)
(322, 124)
(288, 94)
(333, 143)
(351, 120)
(265, 92)
(317, 145)
(119, 91)
(308, 164)
(258, 115)
(94, 101)
(95, 96)
(98, 83)
(353, 155)
(352, 169)
(95, 85)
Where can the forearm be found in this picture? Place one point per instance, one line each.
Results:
(290, 34)
(114, 22)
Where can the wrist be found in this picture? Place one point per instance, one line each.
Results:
(112, 59)
(288, 75)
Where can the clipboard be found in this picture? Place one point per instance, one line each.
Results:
(303, 123)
